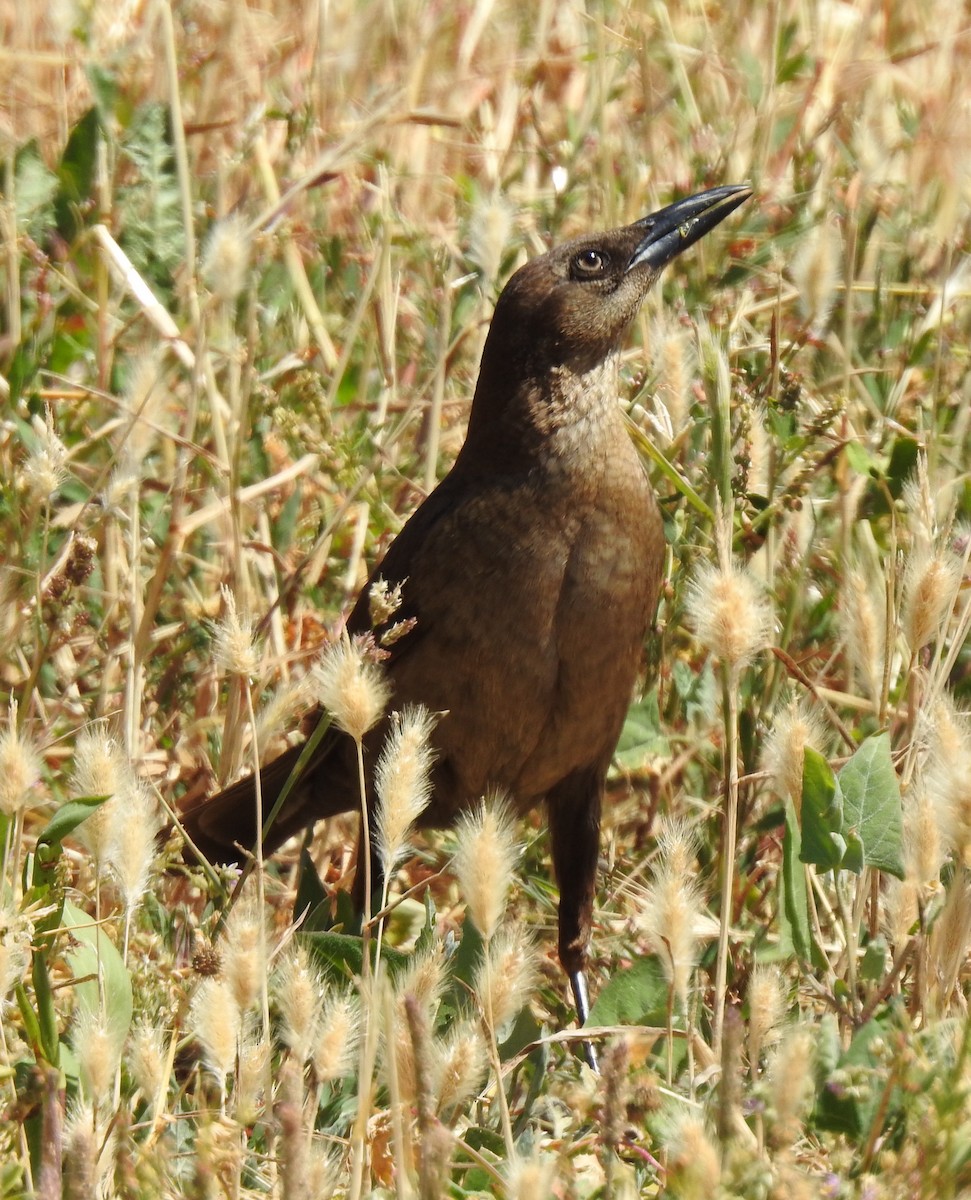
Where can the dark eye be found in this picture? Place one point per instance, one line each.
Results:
(588, 264)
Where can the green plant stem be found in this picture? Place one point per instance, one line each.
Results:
(729, 839)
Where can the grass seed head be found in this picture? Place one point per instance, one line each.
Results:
(351, 686)
(402, 780)
(729, 613)
(485, 859)
(20, 767)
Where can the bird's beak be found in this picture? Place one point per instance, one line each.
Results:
(680, 225)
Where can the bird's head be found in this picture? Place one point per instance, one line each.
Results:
(572, 306)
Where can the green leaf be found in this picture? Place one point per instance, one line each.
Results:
(153, 234)
(641, 739)
(35, 187)
(822, 814)
(64, 822)
(853, 855)
(636, 996)
(872, 806)
(75, 173)
(340, 954)
(94, 954)
(794, 909)
(861, 460)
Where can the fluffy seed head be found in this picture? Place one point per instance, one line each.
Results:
(146, 1059)
(950, 937)
(351, 686)
(505, 977)
(462, 1064)
(815, 270)
(931, 582)
(44, 471)
(790, 1084)
(338, 1035)
(694, 1163)
(233, 645)
(402, 780)
(947, 775)
(669, 910)
(19, 767)
(794, 728)
(244, 953)
(300, 994)
(215, 1021)
(485, 859)
(766, 1003)
(225, 258)
(489, 231)
(129, 850)
(863, 628)
(98, 1046)
(527, 1178)
(729, 614)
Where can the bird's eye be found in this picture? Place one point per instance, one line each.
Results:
(588, 264)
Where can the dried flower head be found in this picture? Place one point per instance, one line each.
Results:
(485, 858)
(461, 1066)
(931, 582)
(225, 258)
(338, 1034)
(300, 994)
(216, 1023)
(794, 727)
(244, 952)
(669, 910)
(19, 766)
(490, 229)
(44, 471)
(729, 613)
(815, 269)
(402, 781)
(505, 977)
(351, 685)
(767, 1006)
(234, 648)
(790, 1084)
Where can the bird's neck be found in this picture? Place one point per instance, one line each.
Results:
(523, 413)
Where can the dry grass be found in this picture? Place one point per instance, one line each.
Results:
(242, 308)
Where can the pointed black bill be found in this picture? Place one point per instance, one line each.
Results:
(675, 228)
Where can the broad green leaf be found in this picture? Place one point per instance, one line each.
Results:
(641, 739)
(636, 996)
(67, 818)
(794, 911)
(340, 954)
(823, 843)
(75, 173)
(872, 805)
(94, 954)
(34, 187)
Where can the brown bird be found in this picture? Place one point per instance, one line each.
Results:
(531, 572)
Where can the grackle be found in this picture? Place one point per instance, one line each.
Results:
(531, 572)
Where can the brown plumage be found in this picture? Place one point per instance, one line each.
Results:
(532, 572)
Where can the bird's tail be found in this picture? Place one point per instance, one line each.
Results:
(220, 825)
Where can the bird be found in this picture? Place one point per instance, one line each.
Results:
(529, 580)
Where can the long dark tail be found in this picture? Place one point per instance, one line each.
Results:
(219, 825)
